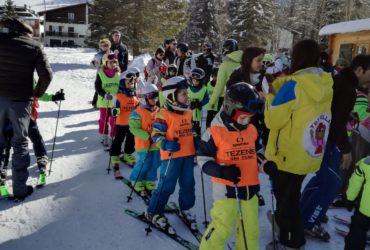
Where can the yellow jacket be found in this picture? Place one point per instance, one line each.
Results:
(298, 115)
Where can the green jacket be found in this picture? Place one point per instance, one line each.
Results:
(361, 179)
(110, 85)
(361, 105)
(200, 96)
(210, 89)
(231, 62)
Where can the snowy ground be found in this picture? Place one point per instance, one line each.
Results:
(82, 207)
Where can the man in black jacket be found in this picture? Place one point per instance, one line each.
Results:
(206, 60)
(326, 185)
(20, 55)
(120, 50)
(170, 51)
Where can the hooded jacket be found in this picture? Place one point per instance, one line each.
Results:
(231, 62)
(20, 55)
(298, 115)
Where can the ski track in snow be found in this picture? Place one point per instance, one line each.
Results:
(82, 207)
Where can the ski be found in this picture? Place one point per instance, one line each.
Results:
(341, 220)
(177, 238)
(127, 182)
(344, 233)
(197, 234)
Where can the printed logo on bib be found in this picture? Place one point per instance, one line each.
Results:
(130, 105)
(240, 151)
(186, 129)
(316, 134)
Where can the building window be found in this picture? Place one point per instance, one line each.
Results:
(71, 31)
(71, 16)
(362, 49)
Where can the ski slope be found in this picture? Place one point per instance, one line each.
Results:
(82, 207)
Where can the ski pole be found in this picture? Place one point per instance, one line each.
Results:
(129, 198)
(105, 122)
(205, 222)
(240, 214)
(55, 135)
(148, 229)
(273, 215)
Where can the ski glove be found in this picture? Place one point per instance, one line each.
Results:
(270, 168)
(230, 173)
(172, 146)
(350, 205)
(58, 96)
(115, 112)
(195, 105)
(108, 96)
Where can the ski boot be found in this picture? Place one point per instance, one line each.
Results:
(139, 187)
(161, 222)
(42, 162)
(129, 159)
(116, 172)
(318, 232)
(149, 187)
(190, 218)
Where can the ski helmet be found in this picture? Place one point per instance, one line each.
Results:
(170, 89)
(198, 74)
(135, 70)
(146, 91)
(183, 47)
(230, 45)
(242, 98)
(109, 57)
(172, 67)
(128, 74)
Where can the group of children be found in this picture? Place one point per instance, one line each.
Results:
(162, 124)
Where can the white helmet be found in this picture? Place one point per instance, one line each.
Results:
(135, 70)
(146, 91)
(169, 89)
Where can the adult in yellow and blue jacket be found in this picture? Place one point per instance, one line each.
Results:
(298, 116)
(360, 225)
(325, 186)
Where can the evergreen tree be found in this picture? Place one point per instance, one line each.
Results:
(251, 21)
(143, 24)
(202, 25)
(10, 8)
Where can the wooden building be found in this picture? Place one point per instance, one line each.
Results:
(66, 26)
(348, 39)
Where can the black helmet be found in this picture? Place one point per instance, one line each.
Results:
(242, 97)
(183, 47)
(229, 46)
(198, 74)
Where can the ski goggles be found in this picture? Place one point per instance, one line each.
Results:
(130, 76)
(197, 76)
(149, 96)
(254, 106)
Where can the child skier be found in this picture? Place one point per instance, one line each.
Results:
(106, 85)
(173, 133)
(233, 162)
(356, 239)
(144, 174)
(124, 102)
(171, 71)
(211, 112)
(198, 97)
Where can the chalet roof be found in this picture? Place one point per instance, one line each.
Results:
(59, 6)
(345, 27)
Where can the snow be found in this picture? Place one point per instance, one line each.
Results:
(345, 27)
(82, 207)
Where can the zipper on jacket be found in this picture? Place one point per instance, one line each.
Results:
(277, 143)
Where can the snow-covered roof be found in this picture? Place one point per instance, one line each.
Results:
(345, 27)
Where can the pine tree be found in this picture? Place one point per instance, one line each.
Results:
(251, 21)
(10, 8)
(202, 26)
(143, 23)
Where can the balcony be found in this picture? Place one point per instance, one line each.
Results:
(56, 19)
(61, 34)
